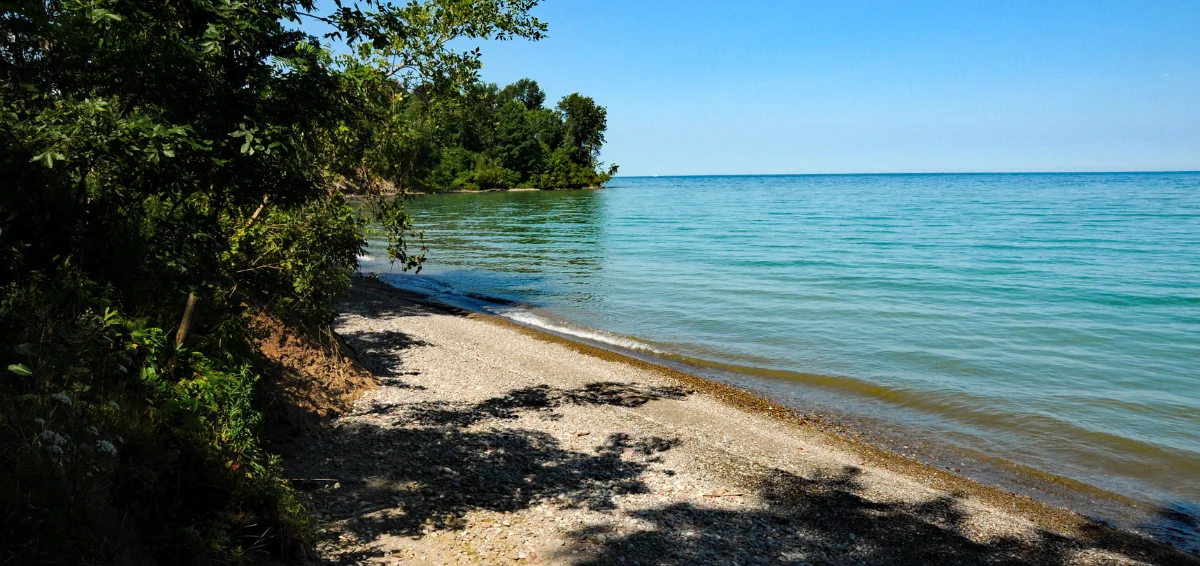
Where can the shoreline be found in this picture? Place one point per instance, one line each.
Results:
(827, 423)
(882, 471)
(512, 190)
(879, 432)
(474, 192)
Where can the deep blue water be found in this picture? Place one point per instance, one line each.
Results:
(1050, 319)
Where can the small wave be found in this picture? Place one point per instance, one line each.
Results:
(487, 299)
(526, 317)
(421, 284)
(511, 310)
(365, 257)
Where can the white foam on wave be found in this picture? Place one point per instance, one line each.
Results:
(447, 293)
(526, 317)
(365, 257)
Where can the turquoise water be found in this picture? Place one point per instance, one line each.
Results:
(1049, 319)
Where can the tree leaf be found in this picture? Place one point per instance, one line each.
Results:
(192, 423)
(26, 349)
(20, 369)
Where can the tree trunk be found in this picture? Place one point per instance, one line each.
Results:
(187, 319)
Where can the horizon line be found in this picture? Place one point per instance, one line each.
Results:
(912, 173)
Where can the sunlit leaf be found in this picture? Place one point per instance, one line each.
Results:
(20, 369)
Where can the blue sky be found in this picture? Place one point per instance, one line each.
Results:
(758, 87)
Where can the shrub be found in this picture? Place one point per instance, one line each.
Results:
(162, 154)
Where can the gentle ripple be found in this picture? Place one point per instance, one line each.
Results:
(1050, 319)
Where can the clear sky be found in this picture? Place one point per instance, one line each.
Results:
(757, 86)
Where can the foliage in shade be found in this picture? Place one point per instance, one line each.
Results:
(155, 151)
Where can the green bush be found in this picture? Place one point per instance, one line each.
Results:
(486, 174)
(562, 172)
(118, 442)
(162, 154)
(493, 138)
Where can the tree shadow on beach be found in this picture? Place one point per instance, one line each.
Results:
(406, 480)
(824, 519)
(435, 476)
(383, 352)
(378, 300)
(435, 462)
(542, 399)
(436, 465)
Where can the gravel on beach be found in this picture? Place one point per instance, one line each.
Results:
(486, 444)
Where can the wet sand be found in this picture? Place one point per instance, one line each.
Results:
(493, 443)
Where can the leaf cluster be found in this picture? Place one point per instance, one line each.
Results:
(162, 153)
(487, 137)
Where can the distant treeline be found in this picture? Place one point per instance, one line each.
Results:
(489, 137)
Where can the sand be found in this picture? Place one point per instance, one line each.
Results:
(490, 443)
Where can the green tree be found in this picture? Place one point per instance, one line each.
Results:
(526, 91)
(549, 127)
(158, 154)
(584, 125)
(491, 137)
(475, 119)
(515, 144)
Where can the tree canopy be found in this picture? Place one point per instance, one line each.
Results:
(187, 160)
(487, 137)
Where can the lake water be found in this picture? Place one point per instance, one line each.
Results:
(1052, 320)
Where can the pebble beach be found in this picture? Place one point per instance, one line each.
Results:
(489, 443)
